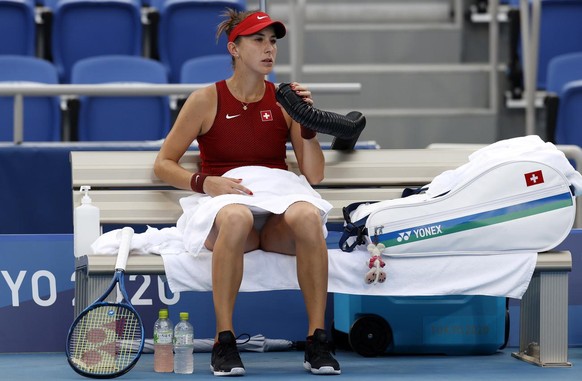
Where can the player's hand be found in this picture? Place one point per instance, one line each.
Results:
(302, 91)
(217, 185)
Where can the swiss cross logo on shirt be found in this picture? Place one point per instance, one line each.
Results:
(534, 178)
(266, 116)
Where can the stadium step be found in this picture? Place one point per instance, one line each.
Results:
(380, 31)
(423, 66)
(423, 86)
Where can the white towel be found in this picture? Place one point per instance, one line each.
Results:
(506, 274)
(152, 241)
(495, 275)
(274, 190)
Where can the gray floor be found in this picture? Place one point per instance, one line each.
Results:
(288, 366)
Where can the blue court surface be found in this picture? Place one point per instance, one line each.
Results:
(288, 366)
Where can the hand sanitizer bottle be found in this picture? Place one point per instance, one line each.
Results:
(86, 224)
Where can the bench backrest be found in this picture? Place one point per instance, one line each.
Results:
(125, 188)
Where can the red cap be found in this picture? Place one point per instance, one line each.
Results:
(254, 23)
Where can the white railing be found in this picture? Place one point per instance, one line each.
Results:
(20, 91)
(530, 19)
(530, 38)
(493, 55)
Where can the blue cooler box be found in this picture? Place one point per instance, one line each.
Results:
(451, 325)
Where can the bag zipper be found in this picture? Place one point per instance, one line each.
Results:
(455, 213)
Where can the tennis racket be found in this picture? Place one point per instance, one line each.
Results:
(107, 338)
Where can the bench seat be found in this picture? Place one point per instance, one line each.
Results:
(125, 189)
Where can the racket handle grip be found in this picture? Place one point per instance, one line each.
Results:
(126, 234)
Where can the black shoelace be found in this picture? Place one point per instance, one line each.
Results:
(323, 349)
(229, 351)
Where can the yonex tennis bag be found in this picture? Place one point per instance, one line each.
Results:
(517, 205)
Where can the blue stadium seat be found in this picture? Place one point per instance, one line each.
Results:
(89, 28)
(51, 4)
(17, 27)
(157, 3)
(42, 115)
(208, 69)
(560, 33)
(512, 3)
(562, 70)
(569, 119)
(187, 29)
(121, 118)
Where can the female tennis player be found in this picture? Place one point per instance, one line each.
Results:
(241, 133)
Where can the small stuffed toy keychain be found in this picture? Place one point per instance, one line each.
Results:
(376, 273)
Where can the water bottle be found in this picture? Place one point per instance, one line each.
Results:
(183, 346)
(163, 343)
(85, 224)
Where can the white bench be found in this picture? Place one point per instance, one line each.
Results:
(127, 192)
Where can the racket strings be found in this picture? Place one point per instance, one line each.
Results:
(105, 339)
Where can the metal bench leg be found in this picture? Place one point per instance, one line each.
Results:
(80, 290)
(543, 335)
(88, 288)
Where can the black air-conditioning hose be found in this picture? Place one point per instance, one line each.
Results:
(346, 128)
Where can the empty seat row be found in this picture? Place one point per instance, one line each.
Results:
(100, 118)
(559, 66)
(148, 117)
(42, 121)
(560, 33)
(564, 99)
(188, 29)
(105, 118)
(86, 28)
(51, 4)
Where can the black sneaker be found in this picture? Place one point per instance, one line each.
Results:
(225, 360)
(318, 358)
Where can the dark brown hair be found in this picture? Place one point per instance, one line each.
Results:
(232, 18)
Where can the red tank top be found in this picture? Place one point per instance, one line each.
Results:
(238, 137)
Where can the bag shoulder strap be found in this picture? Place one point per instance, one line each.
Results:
(351, 229)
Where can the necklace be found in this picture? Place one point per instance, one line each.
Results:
(253, 98)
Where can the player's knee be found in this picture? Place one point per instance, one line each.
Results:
(304, 217)
(235, 217)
